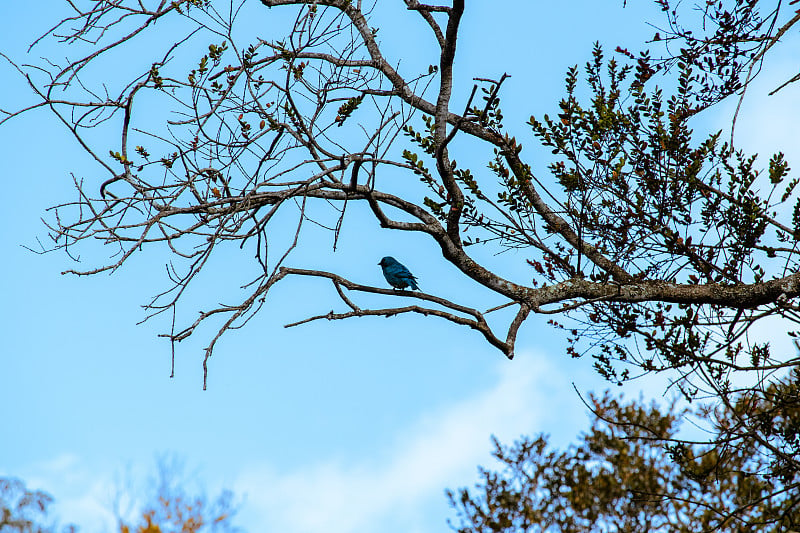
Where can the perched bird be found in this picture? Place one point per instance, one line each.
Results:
(397, 275)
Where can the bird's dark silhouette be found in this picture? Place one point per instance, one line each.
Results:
(397, 275)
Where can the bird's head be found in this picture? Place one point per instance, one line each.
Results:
(388, 260)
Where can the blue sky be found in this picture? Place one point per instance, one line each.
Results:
(353, 426)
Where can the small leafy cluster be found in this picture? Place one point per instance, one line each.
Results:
(490, 116)
(215, 54)
(484, 228)
(189, 4)
(347, 109)
(427, 143)
(733, 35)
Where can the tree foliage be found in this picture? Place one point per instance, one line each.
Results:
(26, 511)
(169, 508)
(621, 476)
(172, 508)
(655, 248)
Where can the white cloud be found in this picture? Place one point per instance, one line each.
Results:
(397, 488)
(440, 450)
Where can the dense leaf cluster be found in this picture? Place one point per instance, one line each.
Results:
(622, 477)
